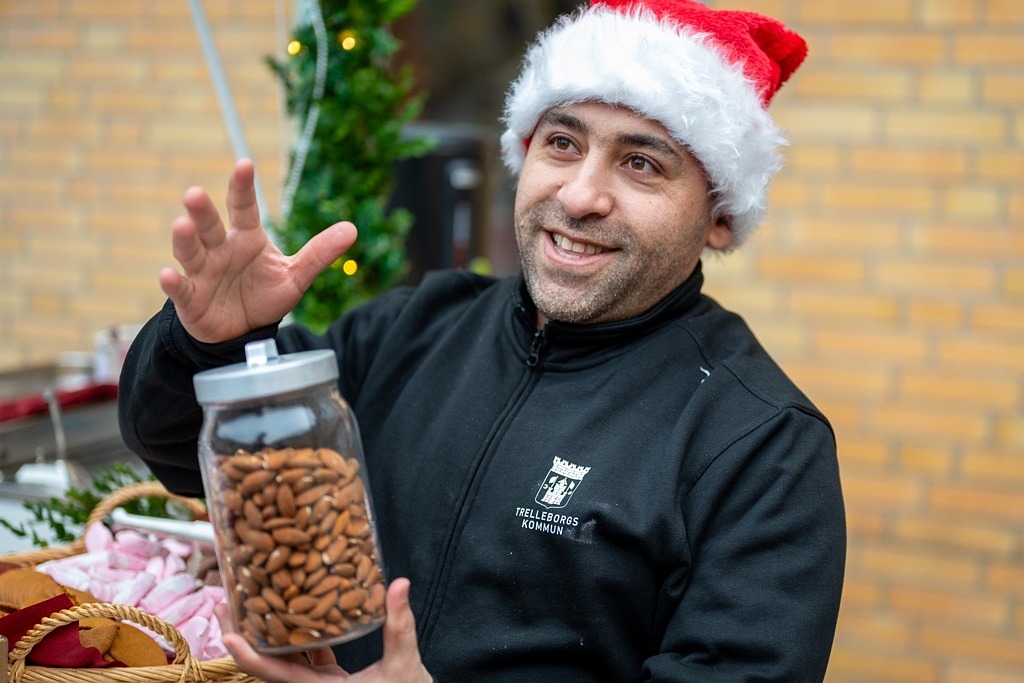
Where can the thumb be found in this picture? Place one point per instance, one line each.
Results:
(400, 646)
(321, 251)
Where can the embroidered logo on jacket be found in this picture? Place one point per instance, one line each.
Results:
(561, 482)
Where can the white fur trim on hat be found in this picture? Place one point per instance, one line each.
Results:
(663, 72)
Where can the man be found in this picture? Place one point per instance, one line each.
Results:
(592, 471)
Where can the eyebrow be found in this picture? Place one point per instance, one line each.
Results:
(643, 140)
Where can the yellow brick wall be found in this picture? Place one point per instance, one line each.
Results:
(889, 283)
(107, 114)
(889, 280)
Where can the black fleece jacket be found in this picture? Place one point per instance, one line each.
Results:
(650, 499)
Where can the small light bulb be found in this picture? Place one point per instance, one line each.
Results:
(294, 47)
(347, 39)
(350, 267)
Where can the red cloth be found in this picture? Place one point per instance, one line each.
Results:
(23, 406)
(61, 646)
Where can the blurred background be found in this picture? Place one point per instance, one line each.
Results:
(888, 281)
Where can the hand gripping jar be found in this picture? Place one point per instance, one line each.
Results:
(283, 472)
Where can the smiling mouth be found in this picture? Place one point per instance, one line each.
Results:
(574, 249)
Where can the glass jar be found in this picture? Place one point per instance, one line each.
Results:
(283, 471)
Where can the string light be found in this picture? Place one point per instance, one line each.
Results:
(347, 39)
(294, 47)
(350, 267)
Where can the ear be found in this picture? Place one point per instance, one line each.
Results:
(720, 235)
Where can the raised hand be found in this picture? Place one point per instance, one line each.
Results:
(400, 664)
(235, 279)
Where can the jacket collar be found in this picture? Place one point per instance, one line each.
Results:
(566, 341)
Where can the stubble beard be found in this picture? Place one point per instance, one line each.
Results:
(565, 296)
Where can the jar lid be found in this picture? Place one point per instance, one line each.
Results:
(265, 373)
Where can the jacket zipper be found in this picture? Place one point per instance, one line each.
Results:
(535, 347)
(427, 620)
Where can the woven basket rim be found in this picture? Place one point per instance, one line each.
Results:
(185, 668)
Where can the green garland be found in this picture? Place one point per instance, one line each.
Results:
(348, 172)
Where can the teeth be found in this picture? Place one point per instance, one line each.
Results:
(575, 247)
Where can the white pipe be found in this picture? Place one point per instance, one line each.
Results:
(227, 103)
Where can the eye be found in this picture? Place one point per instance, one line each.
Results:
(640, 164)
(561, 143)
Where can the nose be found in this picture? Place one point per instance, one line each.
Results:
(587, 190)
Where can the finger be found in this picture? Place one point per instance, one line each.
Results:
(400, 648)
(174, 286)
(320, 251)
(243, 208)
(186, 246)
(209, 227)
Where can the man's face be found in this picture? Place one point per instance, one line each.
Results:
(611, 214)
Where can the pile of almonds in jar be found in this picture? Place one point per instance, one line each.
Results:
(300, 548)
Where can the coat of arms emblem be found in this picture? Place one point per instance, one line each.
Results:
(560, 483)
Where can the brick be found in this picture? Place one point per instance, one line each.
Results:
(783, 194)
(860, 344)
(863, 524)
(973, 393)
(882, 631)
(989, 502)
(821, 123)
(807, 268)
(841, 234)
(844, 13)
(981, 353)
(94, 10)
(880, 493)
(993, 466)
(954, 14)
(1013, 283)
(166, 38)
(980, 203)
(1010, 432)
(107, 69)
(1006, 576)
(820, 378)
(857, 593)
(1003, 12)
(105, 38)
(954, 537)
(931, 278)
(918, 163)
(185, 136)
(908, 197)
(64, 130)
(944, 607)
(38, 9)
(899, 47)
(946, 87)
(1002, 88)
(861, 665)
(1001, 165)
(921, 567)
(925, 460)
(824, 305)
(945, 128)
(125, 102)
(37, 70)
(1007, 318)
(814, 158)
(28, 40)
(911, 418)
(981, 672)
(989, 49)
(970, 238)
(987, 647)
(875, 85)
(935, 313)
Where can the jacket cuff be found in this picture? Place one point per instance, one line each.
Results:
(187, 349)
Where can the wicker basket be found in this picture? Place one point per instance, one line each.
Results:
(184, 669)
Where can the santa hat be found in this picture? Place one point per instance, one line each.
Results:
(706, 75)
